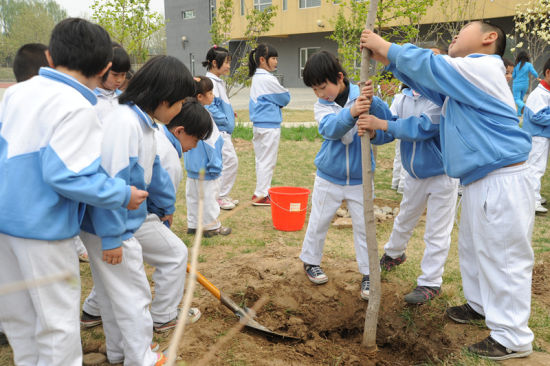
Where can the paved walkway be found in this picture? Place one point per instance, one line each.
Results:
(300, 98)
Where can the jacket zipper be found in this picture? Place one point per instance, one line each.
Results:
(412, 160)
(347, 164)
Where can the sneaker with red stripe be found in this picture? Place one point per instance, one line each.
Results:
(422, 294)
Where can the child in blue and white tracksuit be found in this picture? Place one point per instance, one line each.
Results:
(416, 124)
(208, 156)
(267, 97)
(483, 145)
(536, 121)
(520, 79)
(339, 172)
(218, 63)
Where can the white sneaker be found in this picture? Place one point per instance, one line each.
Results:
(225, 203)
(539, 209)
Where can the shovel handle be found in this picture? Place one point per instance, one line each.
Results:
(206, 284)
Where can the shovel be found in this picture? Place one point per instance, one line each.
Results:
(240, 312)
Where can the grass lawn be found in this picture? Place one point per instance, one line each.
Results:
(289, 115)
(6, 74)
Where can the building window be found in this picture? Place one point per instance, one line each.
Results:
(261, 5)
(188, 14)
(309, 3)
(305, 54)
(242, 7)
(285, 4)
(212, 10)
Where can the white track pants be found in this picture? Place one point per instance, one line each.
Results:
(397, 166)
(230, 165)
(165, 251)
(326, 199)
(124, 296)
(211, 206)
(41, 323)
(80, 248)
(496, 259)
(439, 195)
(266, 147)
(537, 162)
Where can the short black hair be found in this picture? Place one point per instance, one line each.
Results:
(203, 85)
(262, 50)
(507, 62)
(161, 79)
(500, 43)
(121, 60)
(322, 66)
(81, 46)
(522, 58)
(28, 60)
(546, 67)
(194, 118)
(216, 53)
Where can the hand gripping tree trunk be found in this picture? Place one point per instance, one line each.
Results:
(371, 317)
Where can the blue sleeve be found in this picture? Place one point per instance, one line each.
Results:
(334, 126)
(280, 99)
(438, 76)
(216, 110)
(382, 137)
(162, 192)
(413, 128)
(515, 72)
(542, 117)
(533, 71)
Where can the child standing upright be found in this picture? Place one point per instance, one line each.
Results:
(536, 121)
(520, 76)
(218, 63)
(49, 159)
(207, 156)
(339, 174)
(415, 121)
(129, 151)
(483, 145)
(267, 97)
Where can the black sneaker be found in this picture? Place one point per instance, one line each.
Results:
(491, 349)
(315, 274)
(422, 294)
(89, 321)
(365, 287)
(191, 231)
(388, 263)
(463, 314)
(3, 339)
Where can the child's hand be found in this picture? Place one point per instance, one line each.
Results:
(113, 256)
(370, 123)
(137, 196)
(368, 89)
(360, 106)
(377, 45)
(168, 218)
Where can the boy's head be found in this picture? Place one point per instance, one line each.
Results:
(28, 60)
(325, 75)
(160, 87)
(204, 90)
(81, 46)
(546, 72)
(191, 124)
(509, 66)
(115, 77)
(478, 37)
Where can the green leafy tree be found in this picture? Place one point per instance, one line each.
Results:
(220, 29)
(349, 22)
(129, 22)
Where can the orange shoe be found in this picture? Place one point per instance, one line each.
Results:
(161, 359)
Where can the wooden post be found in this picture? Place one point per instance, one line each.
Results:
(371, 316)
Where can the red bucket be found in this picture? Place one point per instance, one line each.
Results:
(288, 207)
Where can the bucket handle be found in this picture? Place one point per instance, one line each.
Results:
(285, 209)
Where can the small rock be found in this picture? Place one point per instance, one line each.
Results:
(342, 222)
(294, 320)
(341, 212)
(93, 359)
(387, 210)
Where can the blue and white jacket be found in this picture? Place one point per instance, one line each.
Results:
(169, 152)
(50, 140)
(536, 115)
(207, 155)
(107, 100)
(221, 109)
(479, 129)
(267, 97)
(339, 160)
(415, 121)
(129, 152)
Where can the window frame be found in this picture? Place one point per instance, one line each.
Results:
(307, 56)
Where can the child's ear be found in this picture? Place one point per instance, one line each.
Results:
(105, 69)
(49, 58)
(215, 64)
(340, 76)
(489, 38)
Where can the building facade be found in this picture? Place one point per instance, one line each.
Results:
(301, 28)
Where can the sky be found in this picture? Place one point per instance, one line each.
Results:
(77, 8)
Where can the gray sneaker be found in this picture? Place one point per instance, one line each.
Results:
(422, 294)
(365, 287)
(463, 314)
(3, 339)
(315, 274)
(491, 349)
